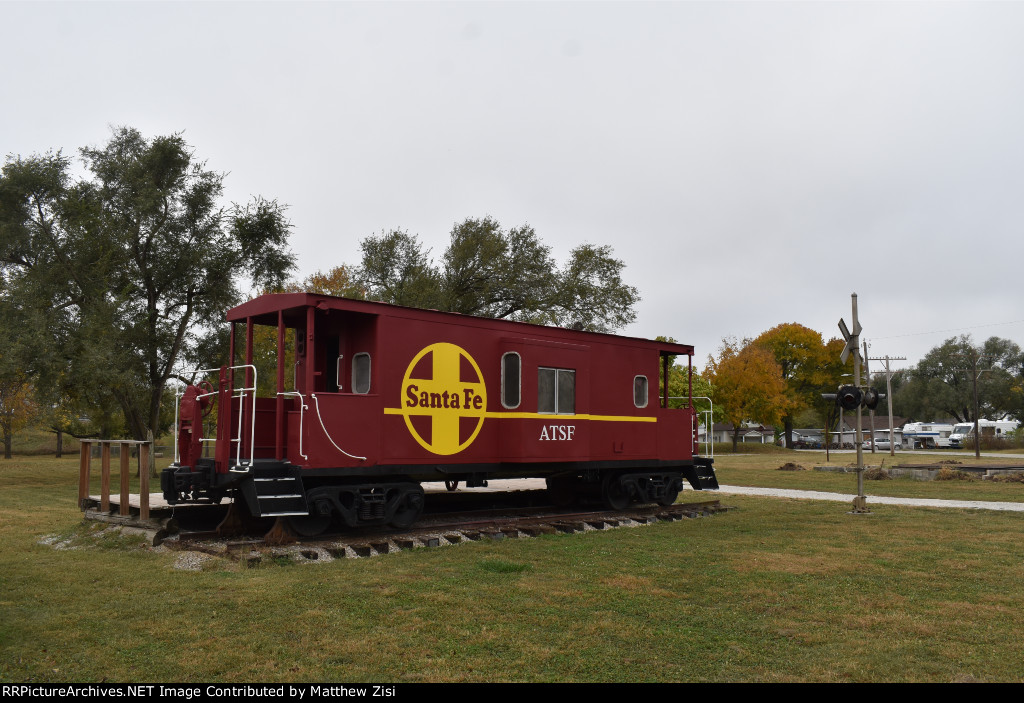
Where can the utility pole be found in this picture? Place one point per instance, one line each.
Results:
(853, 346)
(867, 382)
(888, 396)
(975, 373)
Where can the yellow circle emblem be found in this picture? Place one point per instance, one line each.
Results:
(448, 390)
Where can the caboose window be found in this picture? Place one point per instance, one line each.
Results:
(361, 373)
(556, 391)
(640, 391)
(511, 380)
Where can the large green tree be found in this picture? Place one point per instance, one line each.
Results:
(117, 276)
(396, 269)
(17, 399)
(502, 273)
(942, 384)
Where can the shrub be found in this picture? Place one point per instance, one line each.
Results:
(953, 475)
(877, 474)
(1016, 477)
(992, 443)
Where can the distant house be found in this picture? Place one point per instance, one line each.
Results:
(749, 433)
(806, 437)
(880, 428)
(814, 437)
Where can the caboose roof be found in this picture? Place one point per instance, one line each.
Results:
(264, 311)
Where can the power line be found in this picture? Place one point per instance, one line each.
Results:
(952, 329)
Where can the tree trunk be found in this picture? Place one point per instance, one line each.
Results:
(60, 443)
(787, 424)
(152, 454)
(154, 424)
(735, 439)
(8, 439)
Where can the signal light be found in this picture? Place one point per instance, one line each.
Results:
(870, 399)
(849, 397)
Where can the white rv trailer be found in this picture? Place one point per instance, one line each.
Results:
(926, 435)
(962, 431)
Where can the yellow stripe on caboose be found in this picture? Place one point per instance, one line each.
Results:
(540, 416)
(441, 393)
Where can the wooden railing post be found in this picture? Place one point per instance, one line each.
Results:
(125, 456)
(85, 467)
(144, 481)
(105, 476)
(84, 461)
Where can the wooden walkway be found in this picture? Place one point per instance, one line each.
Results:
(124, 447)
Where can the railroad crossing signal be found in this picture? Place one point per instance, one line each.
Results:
(854, 399)
(870, 398)
(851, 397)
(852, 340)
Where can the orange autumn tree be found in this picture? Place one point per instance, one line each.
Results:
(747, 386)
(807, 365)
(338, 281)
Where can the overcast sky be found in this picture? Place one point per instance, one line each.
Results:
(752, 163)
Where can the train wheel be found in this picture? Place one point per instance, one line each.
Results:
(670, 495)
(309, 525)
(614, 493)
(409, 510)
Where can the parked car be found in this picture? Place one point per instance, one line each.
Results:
(884, 444)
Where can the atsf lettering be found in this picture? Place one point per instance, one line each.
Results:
(557, 433)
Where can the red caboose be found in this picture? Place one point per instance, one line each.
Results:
(371, 399)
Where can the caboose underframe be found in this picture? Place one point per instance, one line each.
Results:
(368, 400)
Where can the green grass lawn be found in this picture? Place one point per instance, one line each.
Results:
(763, 470)
(775, 590)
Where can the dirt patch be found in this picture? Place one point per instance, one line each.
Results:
(877, 474)
(790, 466)
(635, 584)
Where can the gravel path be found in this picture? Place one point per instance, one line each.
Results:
(877, 500)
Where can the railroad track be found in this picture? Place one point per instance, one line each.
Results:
(438, 530)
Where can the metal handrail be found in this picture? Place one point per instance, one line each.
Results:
(177, 406)
(316, 402)
(302, 408)
(237, 393)
(709, 419)
(252, 422)
(177, 429)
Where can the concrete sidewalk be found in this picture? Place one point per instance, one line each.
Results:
(537, 484)
(877, 500)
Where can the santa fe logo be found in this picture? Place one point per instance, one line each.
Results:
(446, 395)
